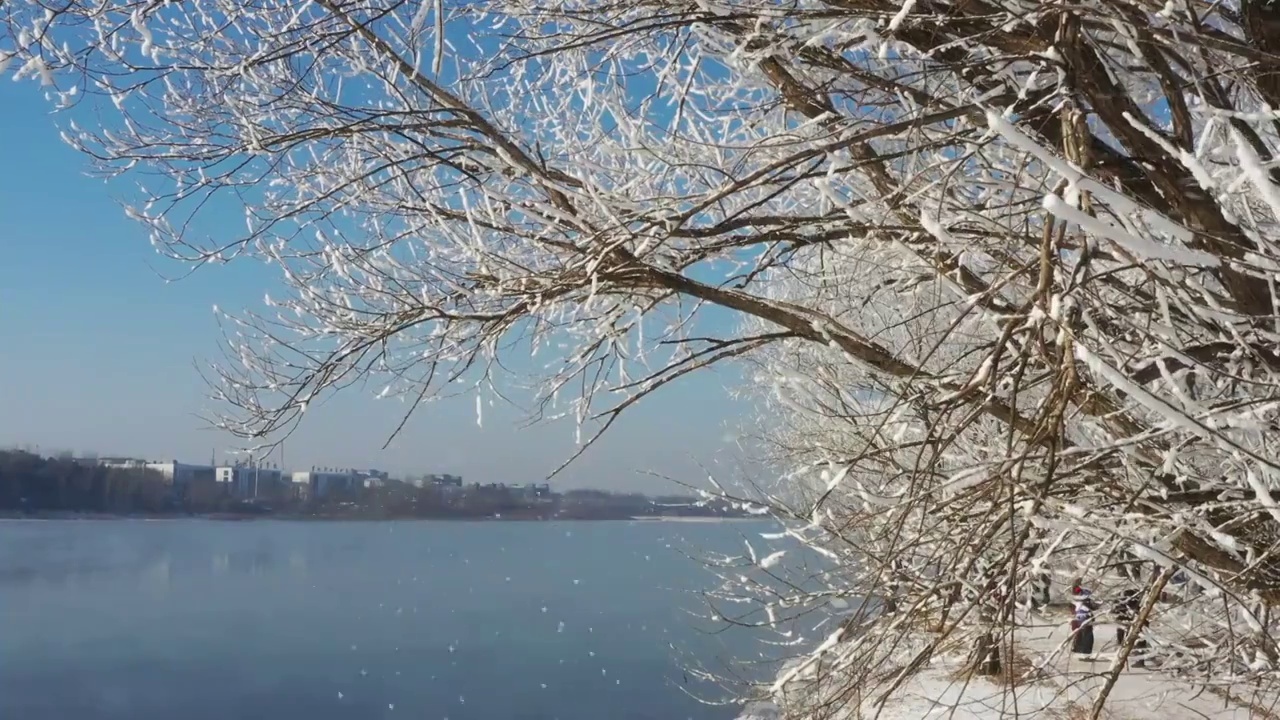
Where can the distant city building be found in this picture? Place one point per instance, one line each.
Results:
(443, 484)
(194, 483)
(174, 472)
(182, 474)
(300, 485)
(229, 476)
(269, 484)
(320, 483)
(122, 462)
(372, 478)
(451, 480)
(250, 482)
(532, 491)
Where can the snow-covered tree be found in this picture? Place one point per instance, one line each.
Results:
(1009, 265)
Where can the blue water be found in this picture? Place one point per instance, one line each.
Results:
(195, 620)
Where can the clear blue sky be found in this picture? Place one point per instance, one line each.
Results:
(99, 353)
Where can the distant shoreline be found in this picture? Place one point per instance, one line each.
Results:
(231, 517)
(696, 518)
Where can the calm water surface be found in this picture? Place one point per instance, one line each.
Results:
(151, 620)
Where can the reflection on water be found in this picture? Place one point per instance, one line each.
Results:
(298, 563)
(157, 577)
(258, 561)
(34, 558)
(116, 620)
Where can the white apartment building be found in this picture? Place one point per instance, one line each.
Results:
(174, 472)
(248, 482)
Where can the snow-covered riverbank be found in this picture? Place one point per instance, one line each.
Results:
(1054, 684)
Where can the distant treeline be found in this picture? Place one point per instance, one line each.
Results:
(35, 485)
(31, 483)
(399, 500)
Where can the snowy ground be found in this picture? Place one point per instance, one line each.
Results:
(1067, 691)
